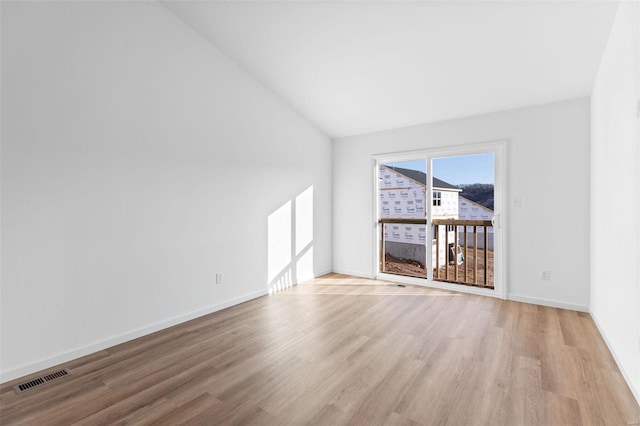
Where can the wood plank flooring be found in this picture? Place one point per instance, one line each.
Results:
(341, 350)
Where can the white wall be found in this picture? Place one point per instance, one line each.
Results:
(138, 161)
(615, 165)
(548, 158)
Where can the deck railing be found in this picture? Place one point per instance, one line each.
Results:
(461, 250)
(457, 252)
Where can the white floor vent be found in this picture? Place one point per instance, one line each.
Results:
(19, 388)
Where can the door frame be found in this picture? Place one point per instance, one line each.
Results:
(499, 149)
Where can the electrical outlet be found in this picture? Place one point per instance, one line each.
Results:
(219, 278)
(545, 274)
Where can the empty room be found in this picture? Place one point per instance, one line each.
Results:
(320, 212)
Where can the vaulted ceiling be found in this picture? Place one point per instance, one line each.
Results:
(355, 67)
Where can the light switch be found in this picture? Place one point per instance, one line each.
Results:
(517, 202)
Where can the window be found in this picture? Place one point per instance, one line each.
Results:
(437, 198)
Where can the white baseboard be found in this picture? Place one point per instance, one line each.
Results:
(625, 375)
(353, 273)
(325, 272)
(547, 302)
(315, 275)
(67, 356)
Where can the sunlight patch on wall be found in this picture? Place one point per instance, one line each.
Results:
(279, 245)
(304, 220)
(282, 282)
(304, 266)
(290, 243)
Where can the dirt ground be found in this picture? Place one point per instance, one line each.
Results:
(396, 265)
(412, 268)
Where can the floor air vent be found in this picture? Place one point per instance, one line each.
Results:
(41, 380)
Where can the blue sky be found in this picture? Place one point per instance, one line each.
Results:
(477, 168)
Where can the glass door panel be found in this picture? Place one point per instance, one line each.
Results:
(402, 193)
(462, 214)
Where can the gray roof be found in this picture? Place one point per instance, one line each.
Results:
(421, 177)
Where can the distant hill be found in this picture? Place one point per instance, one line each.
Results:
(481, 193)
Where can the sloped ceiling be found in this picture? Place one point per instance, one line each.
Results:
(358, 67)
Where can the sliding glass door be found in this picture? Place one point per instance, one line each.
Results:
(439, 218)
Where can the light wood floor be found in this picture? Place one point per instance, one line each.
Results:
(341, 350)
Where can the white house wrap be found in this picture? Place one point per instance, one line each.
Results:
(402, 196)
